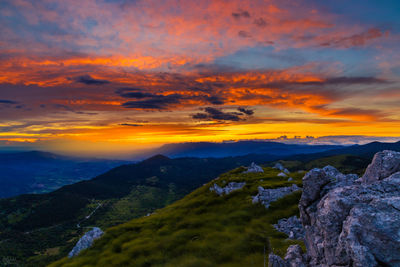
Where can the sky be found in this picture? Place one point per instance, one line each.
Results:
(105, 77)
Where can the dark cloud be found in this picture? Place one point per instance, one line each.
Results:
(215, 100)
(130, 124)
(260, 22)
(133, 93)
(158, 102)
(146, 100)
(356, 39)
(211, 113)
(241, 14)
(244, 34)
(246, 111)
(5, 101)
(89, 80)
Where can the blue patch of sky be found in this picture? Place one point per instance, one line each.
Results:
(353, 61)
(380, 13)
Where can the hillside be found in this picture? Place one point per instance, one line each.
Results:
(41, 172)
(38, 229)
(202, 229)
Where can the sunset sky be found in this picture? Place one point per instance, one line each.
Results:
(108, 76)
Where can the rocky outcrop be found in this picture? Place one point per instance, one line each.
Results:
(227, 189)
(266, 196)
(253, 168)
(291, 226)
(281, 168)
(294, 258)
(282, 174)
(350, 222)
(86, 241)
(383, 164)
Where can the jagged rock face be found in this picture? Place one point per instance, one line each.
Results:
(384, 164)
(253, 168)
(227, 189)
(294, 258)
(291, 226)
(316, 183)
(351, 222)
(266, 196)
(276, 261)
(86, 241)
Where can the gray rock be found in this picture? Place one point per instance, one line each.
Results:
(230, 187)
(291, 226)
(266, 196)
(349, 222)
(86, 241)
(282, 174)
(253, 168)
(281, 168)
(383, 165)
(294, 258)
(316, 183)
(276, 261)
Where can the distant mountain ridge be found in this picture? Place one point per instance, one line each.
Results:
(366, 151)
(40, 172)
(239, 148)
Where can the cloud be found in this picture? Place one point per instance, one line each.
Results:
(355, 39)
(241, 14)
(260, 22)
(131, 124)
(244, 34)
(133, 93)
(342, 80)
(5, 101)
(246, 111)
(89, 80)
(155, 102)
(211, 113)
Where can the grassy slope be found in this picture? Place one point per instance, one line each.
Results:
(202, 229)
(39, 229)
(344, 163)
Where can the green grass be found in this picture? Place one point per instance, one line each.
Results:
(202, 229)
(344, 163)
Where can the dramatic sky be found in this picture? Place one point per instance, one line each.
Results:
(121, 75)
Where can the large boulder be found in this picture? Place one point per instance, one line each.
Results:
(254, 168)
(351, 222)
(383, 164)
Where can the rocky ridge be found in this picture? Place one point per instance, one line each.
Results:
(229, 188)
(266, 196)
(253, 168)
(350, 221)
